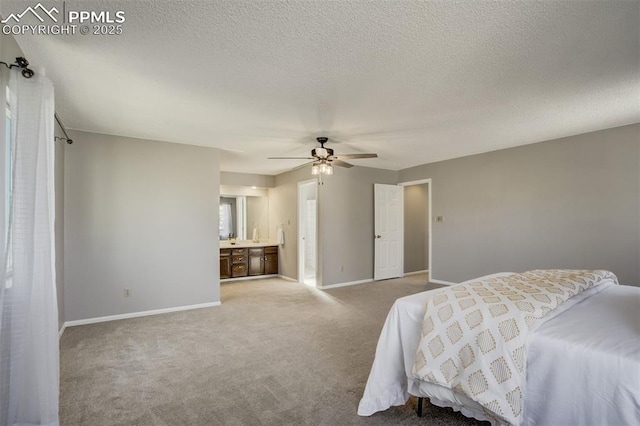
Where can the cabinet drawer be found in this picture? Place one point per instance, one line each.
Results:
(256, 251)
(271, 250)
(239, 252)
(225, 252)
(239, 259)
(239, 270)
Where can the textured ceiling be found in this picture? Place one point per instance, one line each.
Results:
(414, 81)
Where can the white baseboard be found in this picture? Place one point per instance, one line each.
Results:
(247, 278)
(287, 278)
(327, 287)
(61, 332)
(407, 274)
(137, 314)
(431, 280)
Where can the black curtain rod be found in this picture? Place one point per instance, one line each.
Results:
(66, 138)
(28, 73)
(20, 63)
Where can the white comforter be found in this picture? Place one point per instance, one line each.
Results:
(583, 365)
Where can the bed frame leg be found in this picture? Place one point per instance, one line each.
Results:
(420, 401)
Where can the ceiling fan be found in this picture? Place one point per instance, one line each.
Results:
(324, 158)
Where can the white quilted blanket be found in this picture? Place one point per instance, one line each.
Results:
(474, 335)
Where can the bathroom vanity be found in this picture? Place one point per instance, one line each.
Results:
(248, 259)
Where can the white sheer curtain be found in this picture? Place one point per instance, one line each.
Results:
(28, 308)
(226, 221)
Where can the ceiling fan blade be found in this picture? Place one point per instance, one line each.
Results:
(355, 156)
(341, 163)
(290, 158)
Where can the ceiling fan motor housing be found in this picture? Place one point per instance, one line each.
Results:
(322, 152)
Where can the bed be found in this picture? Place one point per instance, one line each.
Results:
(582, 367)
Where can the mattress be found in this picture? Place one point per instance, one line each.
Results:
(583, 365)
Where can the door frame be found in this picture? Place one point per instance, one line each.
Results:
(429, 217)
(302, 207)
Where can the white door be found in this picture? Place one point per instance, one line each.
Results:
(388, 204)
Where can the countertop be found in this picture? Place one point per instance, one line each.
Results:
(247, 244)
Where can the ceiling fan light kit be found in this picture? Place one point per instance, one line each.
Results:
(324, 159)
(326, 169)
(322, 168)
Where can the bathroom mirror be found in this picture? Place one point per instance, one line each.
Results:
(244, 216)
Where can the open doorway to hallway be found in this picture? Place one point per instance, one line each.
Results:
(417, 228)
(308, 232)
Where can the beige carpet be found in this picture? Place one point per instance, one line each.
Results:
(275, 353)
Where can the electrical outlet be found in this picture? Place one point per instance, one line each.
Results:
(127, 292)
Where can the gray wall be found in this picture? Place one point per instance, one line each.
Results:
(9, 50)
(283, 211)
(568, 203)
(346, 223)
(247, 179)
(416, 228)
(141, 215)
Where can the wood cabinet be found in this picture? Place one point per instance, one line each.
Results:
(256, 261)
(252, 261)
(225, 263)
(270, 260)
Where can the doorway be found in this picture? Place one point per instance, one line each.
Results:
(417, 228)
(308, 232)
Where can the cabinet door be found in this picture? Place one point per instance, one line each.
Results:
(225, 267)
(256, 261)
(271, 263)
(225, 263)
(256, 265)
